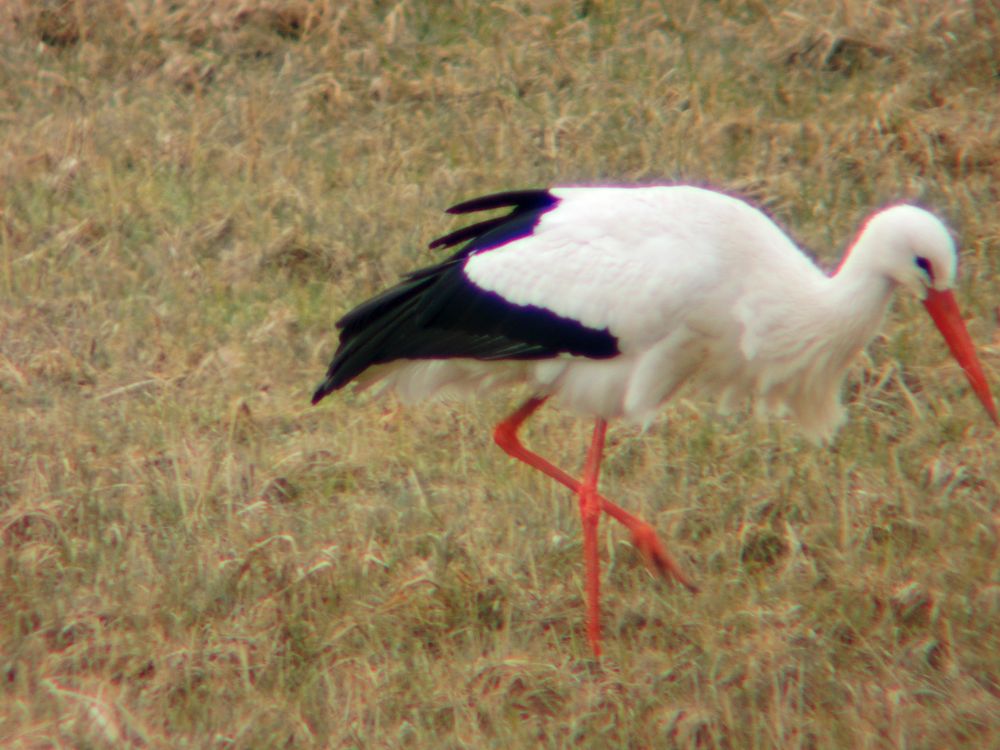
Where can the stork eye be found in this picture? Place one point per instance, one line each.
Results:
(925, 266)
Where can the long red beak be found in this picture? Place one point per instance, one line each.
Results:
(944, 311)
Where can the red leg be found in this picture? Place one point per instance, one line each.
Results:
(644, 537)
(590, 514)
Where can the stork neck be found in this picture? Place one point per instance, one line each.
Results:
(860, 291)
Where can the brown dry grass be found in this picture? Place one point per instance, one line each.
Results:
(193, 557)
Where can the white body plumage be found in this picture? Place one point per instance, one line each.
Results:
(699, 289)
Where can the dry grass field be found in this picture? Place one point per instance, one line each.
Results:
(192, 556)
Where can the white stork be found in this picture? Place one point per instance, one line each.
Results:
(609, 299)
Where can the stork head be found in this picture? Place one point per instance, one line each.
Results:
(915, 250)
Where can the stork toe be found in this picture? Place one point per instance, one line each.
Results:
(659, 560)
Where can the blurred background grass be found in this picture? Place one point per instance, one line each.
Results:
(193, 192)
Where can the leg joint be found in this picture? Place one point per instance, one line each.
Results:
(505, 436)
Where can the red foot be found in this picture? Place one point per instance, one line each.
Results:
(648, 543)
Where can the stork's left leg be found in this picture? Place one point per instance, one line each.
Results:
(590, 514)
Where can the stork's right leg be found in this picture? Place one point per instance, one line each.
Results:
(590, 513)
(644, 537)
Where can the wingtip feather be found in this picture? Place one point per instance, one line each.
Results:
(324, 390)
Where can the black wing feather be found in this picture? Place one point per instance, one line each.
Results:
(520, 200)
(438, 312)
(468, 233)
